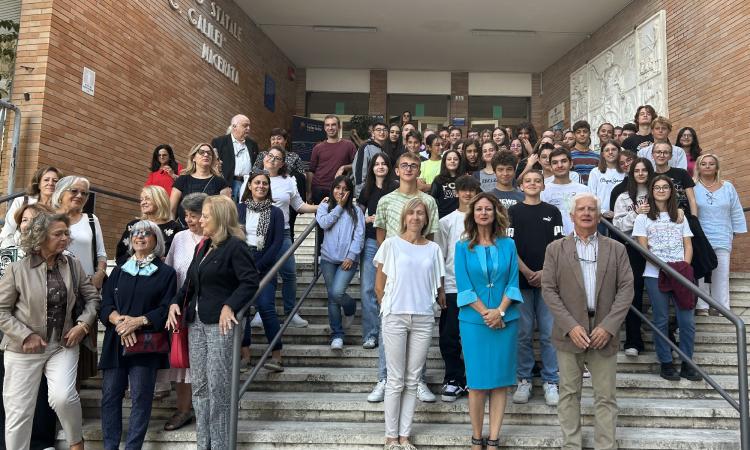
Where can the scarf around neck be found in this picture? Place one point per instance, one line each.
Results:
(263, 208)
(144, 266)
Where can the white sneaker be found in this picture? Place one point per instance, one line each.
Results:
(424, 394)
(256, 322)
(378, 393)
(298, 322)
(523, 392)
(551, 396)
(631, 352)
(370, 342)
(337, 344)
(347, 322)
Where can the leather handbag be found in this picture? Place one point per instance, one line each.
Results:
(148, 342)
(179, 357)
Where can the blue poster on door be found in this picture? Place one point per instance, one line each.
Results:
(269, 97)
(306, 133)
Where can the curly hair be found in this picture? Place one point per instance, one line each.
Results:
(499, 225)
(36, 234)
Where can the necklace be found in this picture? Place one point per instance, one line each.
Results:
(708, 186)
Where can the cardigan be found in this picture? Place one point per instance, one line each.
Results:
(264, 259)
(226, 276)
(135, 296)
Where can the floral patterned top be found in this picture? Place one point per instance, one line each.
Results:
(168, 230)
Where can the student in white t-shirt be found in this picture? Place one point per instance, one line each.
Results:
(666, 232)
(562, 188)
(409, 279)
(606, 176)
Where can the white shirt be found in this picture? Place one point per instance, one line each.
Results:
(587, 253)
(664, 239)
(574, 177)
(412, 276)
(8, 234)
(81, 239)
(558, 195)
(251, 228)
(451, 229)
(601, 184)
(242, 163)
(678, 158)
(285, 194)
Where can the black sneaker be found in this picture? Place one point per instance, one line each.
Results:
(668, 372)
(451, 391)
(689, 373)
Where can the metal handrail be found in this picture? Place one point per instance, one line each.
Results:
(743, 406)
(237, 390)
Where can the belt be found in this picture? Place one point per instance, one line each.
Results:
(236, 178)
(592, 313)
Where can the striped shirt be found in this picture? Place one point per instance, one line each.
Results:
(586, 253)
(583, 162)
(390, 206)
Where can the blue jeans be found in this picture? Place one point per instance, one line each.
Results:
(370, 307)
(337, 280)
(685, 321)
(288, 274)
(533, 307)
(266, 307)
(236, 186)
(114, 383)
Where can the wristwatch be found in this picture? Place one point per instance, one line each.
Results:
(145, 321)
(502, 313)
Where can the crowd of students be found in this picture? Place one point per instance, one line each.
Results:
(435, 225)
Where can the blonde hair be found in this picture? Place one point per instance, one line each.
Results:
(225, 218)
(410, 206)
(696, 176)
(191, 168)
(159, 196)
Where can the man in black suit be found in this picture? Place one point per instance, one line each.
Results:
(237, 153)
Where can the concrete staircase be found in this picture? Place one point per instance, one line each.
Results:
(319, 401)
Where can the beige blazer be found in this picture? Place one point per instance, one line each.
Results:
(564, 293)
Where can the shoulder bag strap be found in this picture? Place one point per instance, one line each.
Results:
(94, 259)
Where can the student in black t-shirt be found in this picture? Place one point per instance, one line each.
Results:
(644, 115)
(443, 188)
(533, 225)
(683, 184)
(504, 165)
(379, 181)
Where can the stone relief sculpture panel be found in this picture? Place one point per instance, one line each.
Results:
(629, 73)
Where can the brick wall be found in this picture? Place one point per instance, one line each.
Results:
(151, 87)
(708, 79)
(378, 93)
(300, 94)
(459, 108)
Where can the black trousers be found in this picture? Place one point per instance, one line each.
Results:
(317, 196)
(450, 343)
(633, 338)
(44, 428)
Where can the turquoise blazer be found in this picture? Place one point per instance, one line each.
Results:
(475, 280)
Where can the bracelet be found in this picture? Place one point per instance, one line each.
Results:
(85, 326)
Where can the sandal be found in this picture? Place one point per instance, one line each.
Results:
(274, 365)
(178, 420)
(481, 441)
(493, 443)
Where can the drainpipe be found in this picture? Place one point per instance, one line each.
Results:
(14, 143)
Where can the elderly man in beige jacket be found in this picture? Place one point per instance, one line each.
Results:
(587, 284)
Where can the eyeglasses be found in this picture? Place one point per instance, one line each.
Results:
(579, 259)
(379, 130)
(405, 166)
(274, 158)
(662, 153)
(710, 198)
(142, 233)
(206, 153)
(662, 188)
(77, 192)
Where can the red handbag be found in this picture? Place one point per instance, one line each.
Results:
(148, 343)
(179, 357)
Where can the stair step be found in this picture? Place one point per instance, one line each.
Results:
(303, 435)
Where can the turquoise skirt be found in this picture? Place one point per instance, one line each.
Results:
(490, 355)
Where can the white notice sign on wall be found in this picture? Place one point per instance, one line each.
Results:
(89, 80)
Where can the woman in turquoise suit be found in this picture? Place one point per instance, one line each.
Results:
(487, 279)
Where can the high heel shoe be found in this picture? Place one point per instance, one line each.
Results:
(478, 441)
(493, 443)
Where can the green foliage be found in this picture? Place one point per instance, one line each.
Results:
(8, 39)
